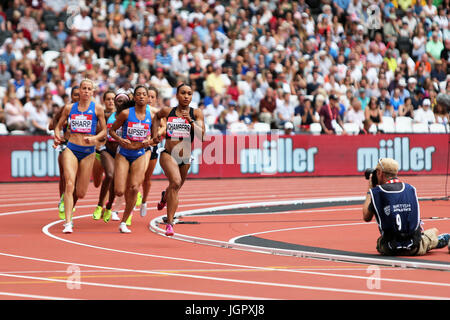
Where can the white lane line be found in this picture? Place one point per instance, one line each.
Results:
(32, 296)
(46, 231)
(239, 281)
(116, 286)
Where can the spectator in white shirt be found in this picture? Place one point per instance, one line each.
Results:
(215, 108)
(355, 114)
(82, 24)
(424, 114)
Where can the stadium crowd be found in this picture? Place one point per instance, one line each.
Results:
(287, 64)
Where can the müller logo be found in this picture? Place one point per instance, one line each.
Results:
(42, 161)
(415, 159)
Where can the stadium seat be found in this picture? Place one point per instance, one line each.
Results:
(3, 129)
(238, 127)
(388, 125)
(438, 128)
(315, 128)
(261, 127)
(420, 128)
(403, 125)
(373, 128)
(18, 133)
(351, 128)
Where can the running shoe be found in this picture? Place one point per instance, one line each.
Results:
(98, 212)
(123, 228)
(129, 219)
(68, 227)
(107, 215)
(162, 203)
(115, 216)
(143, 209)
(443, 240)
(139, 199)
(169, 230)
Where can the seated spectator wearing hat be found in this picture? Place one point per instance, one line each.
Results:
(329, 116)
(438, 73)
(424, 114)
(363, 98)
(401, 229)
(288, 128)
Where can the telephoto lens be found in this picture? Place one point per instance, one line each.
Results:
(374, 176)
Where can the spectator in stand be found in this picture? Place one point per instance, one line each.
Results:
(396, 100)
(267, 106)
(424, 114)
(355, 114)
(438, 73)
(100, 36)
(434, 47)
(285, 109)
(215, 108)
(372, 115)
(82, 24)
(407, 109)
(363, 98)
(5, 75)
(329, 116)
(38, 119)
(441, 114)
(15, 114)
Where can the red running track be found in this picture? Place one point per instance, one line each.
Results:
(37, 261)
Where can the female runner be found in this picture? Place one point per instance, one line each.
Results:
(152, 151)
(130, 162)
(78, 158)
(183, 123)
(75, 97)
(105, 158)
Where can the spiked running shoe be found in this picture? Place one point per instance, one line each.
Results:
(68, 227)
(107, 215)
(97, 213)
(169, 230)
(115, 216)
(123, 228)
(138, 200)
(128, 223)
(443, 240)
(162, 203)
(143, 210)
(62, 214)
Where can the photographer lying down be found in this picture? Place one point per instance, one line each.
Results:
(396, 209)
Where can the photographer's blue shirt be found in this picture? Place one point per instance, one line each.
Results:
(397, 212)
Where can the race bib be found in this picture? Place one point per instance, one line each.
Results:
(137, 131)
(178, 128)
(81, 123)
(118, 131)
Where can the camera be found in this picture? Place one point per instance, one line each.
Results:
(374, 176)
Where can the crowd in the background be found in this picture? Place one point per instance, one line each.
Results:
(284, 63)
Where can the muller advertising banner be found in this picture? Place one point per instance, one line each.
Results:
(32, 158)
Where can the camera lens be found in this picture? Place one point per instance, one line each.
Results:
(367, 173)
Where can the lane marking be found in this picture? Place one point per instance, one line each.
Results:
(240, 281)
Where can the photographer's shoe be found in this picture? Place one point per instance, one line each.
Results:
(443, 240)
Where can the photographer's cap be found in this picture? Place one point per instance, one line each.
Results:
(388, 165)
